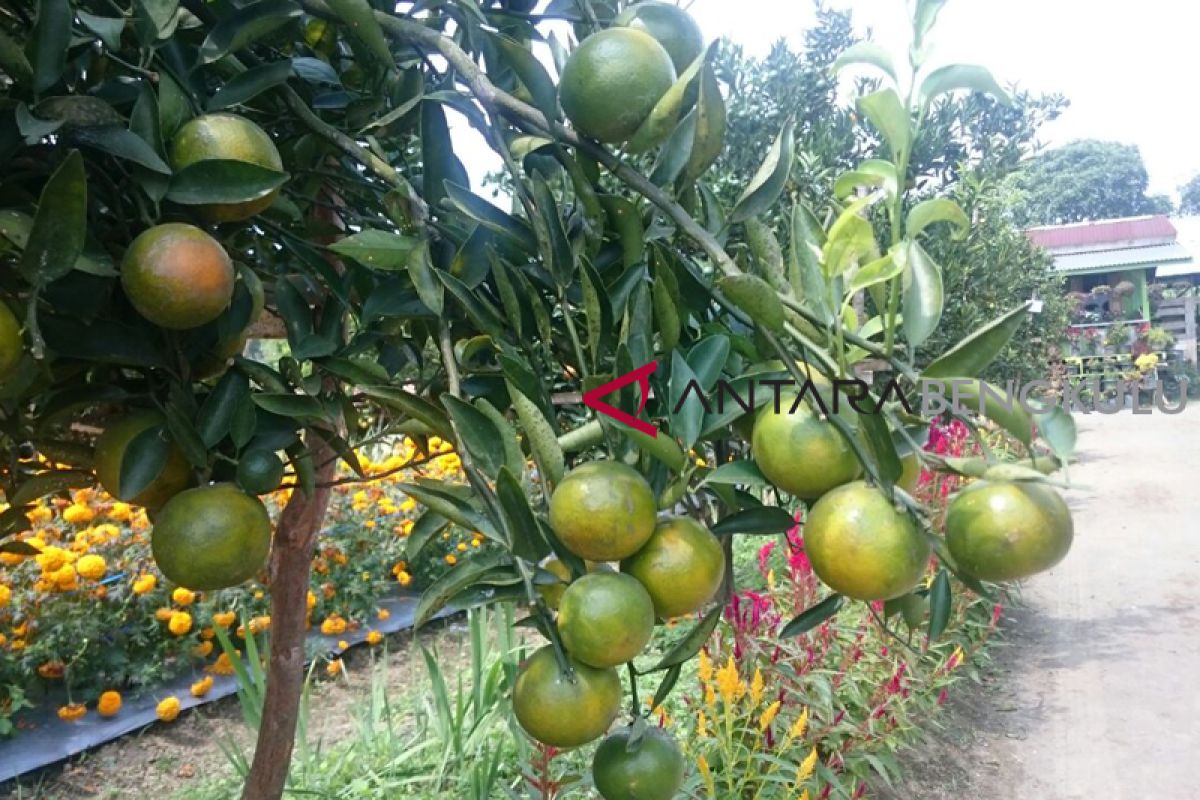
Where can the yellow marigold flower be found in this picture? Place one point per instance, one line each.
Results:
(207, 633)
(144, 584)
(5, 595)
(728, 681)
(11, 559)
(260, 624)
(203, 649)
(52, 559)
(109, 703)
(66, 579)
(121, 512)
(461, 547)
(183, 597)
(167, 709)
(768, 716)
(82, 496)
(343, 644)
(310, 601)
(180, 623)
(756, 687)
(705, 667)
(91, 567)
(408, 504)
(374, 638)
(258, 594)
(334, 667)
(383, 614)
(18, 644)
(369, 524)
(451, 559)
(404, 578)
(76, 514)
(39, 516)
(72, 712)
(223, 665)
(333, 625)
(805, 770)
(223, 619)
(202, 686)
(3, 640)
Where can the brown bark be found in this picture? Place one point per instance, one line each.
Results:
(291, 561)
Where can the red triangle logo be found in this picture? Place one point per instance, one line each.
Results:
(642, 376)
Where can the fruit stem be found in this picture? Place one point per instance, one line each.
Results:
(636, 710)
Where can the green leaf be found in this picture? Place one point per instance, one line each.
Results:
(441, 165)
(425, 279)
(937, 209)
(688, 417)
(452, 508)
(107, 29)
(878, 271)
(664, 117)
(60, 227)
(939, 605)
(359, 17)
(851, 239)
(540, 435)
(925, 16)
(756, 521)
(676, 152)
(13, 60)
(738, 473)
(465, 575)
(805, 272)
(666, 316)
(124, 144)
(708, 138)
(1057, 428)
(973, 354)
(143, 461)
(50, 43)
(427, 526)
(756, 298)
(492, 218)
(377, 249)
(297, 406)
(707, 359)
(162, 14)
(245, 26)
(961, 76)
(214, 420)
(412, 406)
(526, 538)
(477, 434)
(976, 396)
(665, 686)
(887, 113)
(248, 85)
(924, 295)
(562, 258)
(770, 180)
(624, 218)
(879, 440)
(813, 616)
(45, 483)
(223, 181)
(184, 435)
(531, 73)
(687, 647)
(872, 172)
(868, 53)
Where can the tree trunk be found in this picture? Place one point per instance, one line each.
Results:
(291, 561)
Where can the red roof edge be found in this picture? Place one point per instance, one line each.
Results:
(1105, 231)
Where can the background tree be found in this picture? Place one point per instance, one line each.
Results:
(1189, 197)
(1084, 180)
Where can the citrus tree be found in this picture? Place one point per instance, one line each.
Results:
(183, 176)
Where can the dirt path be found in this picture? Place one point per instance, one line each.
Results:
(1096, 693)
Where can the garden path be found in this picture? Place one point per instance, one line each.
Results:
(1096, 694)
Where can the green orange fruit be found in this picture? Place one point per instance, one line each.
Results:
(862, 546)
(612, 82)
(910, 472)
(681, 566)
(177, 276)
(212, 537)
(1008, 531)
(12, 346)
(259, 471)
(799, 452)
(652, 769)
(603, 511)
(111, 445)
(565, 709)
(552, 592)
(226, 137)
(605, 619)
(670, 25)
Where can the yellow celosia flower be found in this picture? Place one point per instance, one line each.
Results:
(710, 696)
(701, 723)
(706, 773)
(91, 567)
(167, 709)
(202, 686)
(180, 623)
(768, 716)
(729, 684)
(805, 770)
(183, 597)
(800, 725)
(756, 687)
(72, 712)
(144, 584)
(109, 703)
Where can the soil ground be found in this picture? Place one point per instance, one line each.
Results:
(1094, 691)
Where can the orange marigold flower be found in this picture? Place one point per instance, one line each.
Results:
(207, 633)
(163, 614)
(404, 578)
(91, 567)
(109, 703)
(121, 512)
(343, 644)
(183, 597)
(383, 614)
(51, 670)
(451, 559)
(52, 559)
(144, 584)
(202, 686)
(333, 625)
(223, 619)
(223, 665)
(374, 638)
(334, 667)
(203, 649)
(167, 709)
(5, 595)
(72, 712)
(180, 623)
(77, 514)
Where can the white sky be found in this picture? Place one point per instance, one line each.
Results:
(1127, 67)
